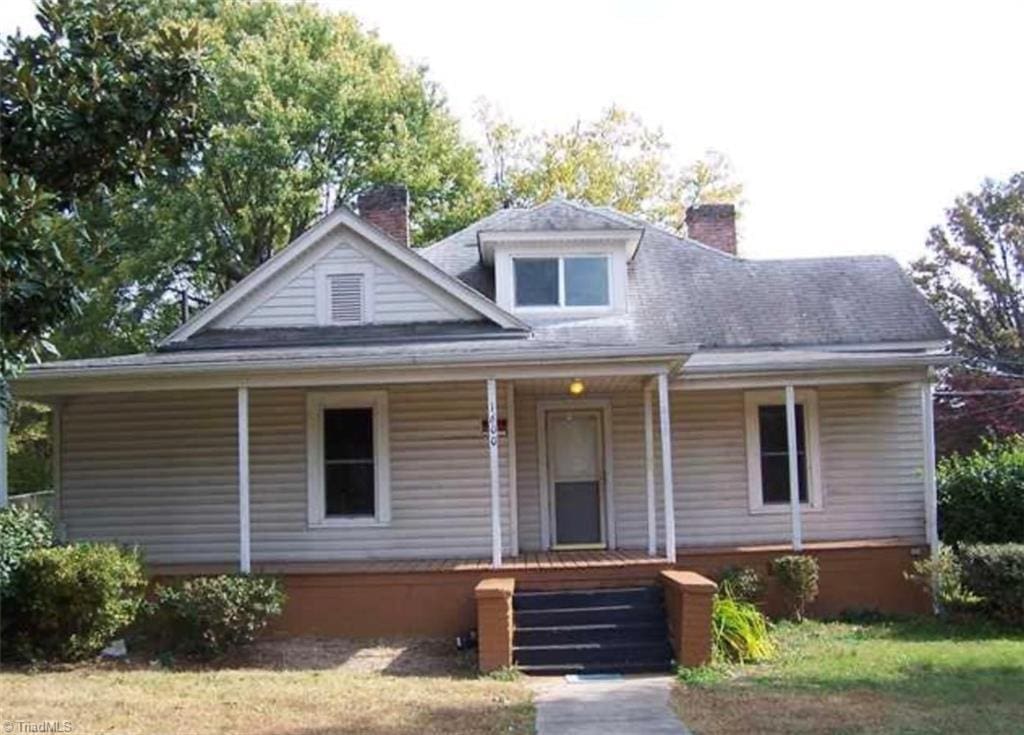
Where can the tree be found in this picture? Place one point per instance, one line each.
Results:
(103, 97)
(974, 275)
(305, 109)
(615, 161)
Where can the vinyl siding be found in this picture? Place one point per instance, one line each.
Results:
(159, 470)
(871, 445)
(399, 296)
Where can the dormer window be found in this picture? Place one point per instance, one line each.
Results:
(568, 281)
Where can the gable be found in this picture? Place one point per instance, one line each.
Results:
(343, 282)
(284, 290)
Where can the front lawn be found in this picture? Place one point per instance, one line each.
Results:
(341, 692)
(917, 676)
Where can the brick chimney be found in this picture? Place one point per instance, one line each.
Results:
(387, 207)
(714, 225)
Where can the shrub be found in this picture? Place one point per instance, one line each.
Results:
(740, 583)
(21, 531)
(942, 577)
(739, 631)
(209, 616)
(798, 577)
(995, 572)
(70, 601)
(981, 495)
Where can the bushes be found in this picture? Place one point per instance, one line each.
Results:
(208, 616)
(741, 583)
(739, 631)
(943, 578)
(995, 572)
(981, 495)
(67, 602)
(21, 531)
(798, 578)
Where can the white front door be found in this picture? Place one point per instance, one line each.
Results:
(576, 478)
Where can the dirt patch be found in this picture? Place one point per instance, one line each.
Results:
(392, 656)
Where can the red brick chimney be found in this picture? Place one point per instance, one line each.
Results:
(387, 207)
(714, 225)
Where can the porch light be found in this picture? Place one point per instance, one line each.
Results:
(576, 387)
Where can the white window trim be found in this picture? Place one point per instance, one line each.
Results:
(753, 401)
(323, 299)
(561, 306)
(316, 402)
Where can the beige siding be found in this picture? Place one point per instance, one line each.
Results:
(159, 470)
(871, 447)
(154, 469)
(871, 461)
(398, 296)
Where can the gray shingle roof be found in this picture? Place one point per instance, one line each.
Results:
(681, 291)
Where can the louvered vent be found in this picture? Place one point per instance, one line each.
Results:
(345, 291)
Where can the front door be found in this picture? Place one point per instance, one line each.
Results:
(576, 478)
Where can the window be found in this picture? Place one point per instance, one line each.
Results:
(347, 441)
(344, 295)
(573, 281)
(768, 451)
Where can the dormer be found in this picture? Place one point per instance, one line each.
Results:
(560, 261)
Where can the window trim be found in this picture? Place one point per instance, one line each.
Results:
(316, 403)
(561, 306)
(753, 400)
(323, 300)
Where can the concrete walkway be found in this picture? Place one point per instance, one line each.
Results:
(636, 705)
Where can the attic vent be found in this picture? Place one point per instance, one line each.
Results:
(345, 294)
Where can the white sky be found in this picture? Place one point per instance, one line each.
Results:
(852, 125)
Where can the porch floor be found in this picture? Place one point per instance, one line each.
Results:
(531, 561)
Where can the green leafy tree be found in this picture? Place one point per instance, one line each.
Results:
(974, 275)
(305, 109)
(615, 161)
(104, 96)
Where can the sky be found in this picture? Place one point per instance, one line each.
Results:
(852, 125)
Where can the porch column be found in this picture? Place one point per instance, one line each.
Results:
(652, 523)
(513, 475)
(666, 468)
(244, 562)
(492, 445)
(794, 468)
(931, 515)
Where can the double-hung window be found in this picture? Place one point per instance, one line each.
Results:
(565, 281)
(347, 442)
(768, 450)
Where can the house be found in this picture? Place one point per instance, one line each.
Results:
(566, 396)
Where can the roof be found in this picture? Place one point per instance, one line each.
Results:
(684, 297)
(682, 291)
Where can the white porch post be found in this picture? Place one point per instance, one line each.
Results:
(652, 522)
(794, 468)
(513, 476)
(492, 445)
(931, 514)
(244, 561)
(666, 467)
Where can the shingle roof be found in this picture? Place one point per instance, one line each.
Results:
(681, 291)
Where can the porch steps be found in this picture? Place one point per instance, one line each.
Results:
(608, 630)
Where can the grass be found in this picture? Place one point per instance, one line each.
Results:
(907, 677)
(287, 701)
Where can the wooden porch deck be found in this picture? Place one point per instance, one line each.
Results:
(527, 562)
